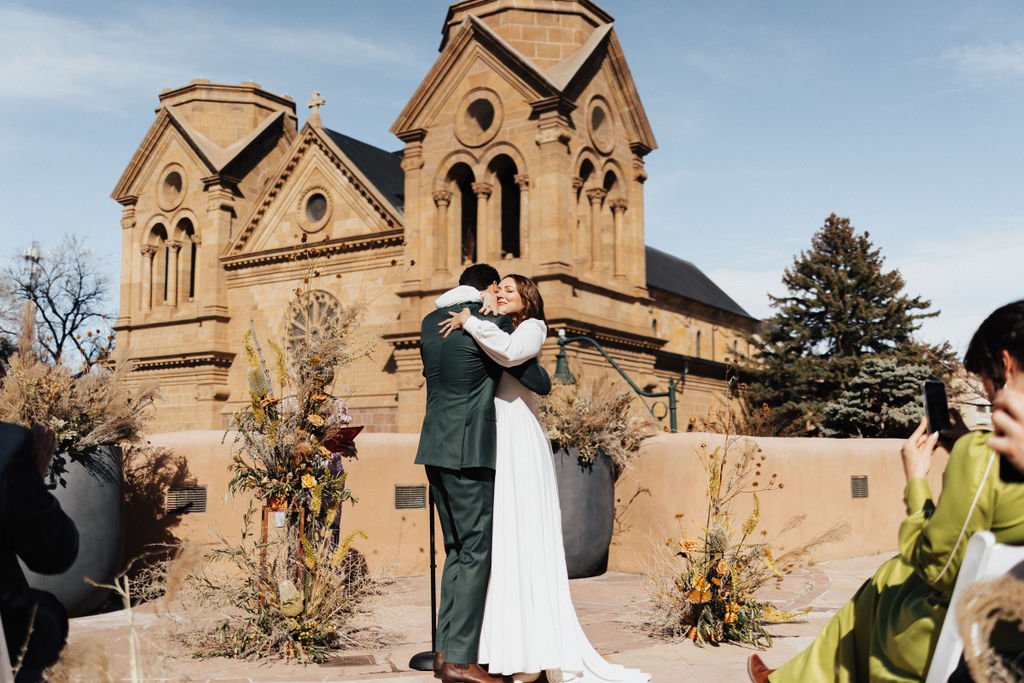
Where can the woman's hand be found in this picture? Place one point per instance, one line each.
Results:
(918, 451)
(1008, 426)
(455, 322)
(490, 302)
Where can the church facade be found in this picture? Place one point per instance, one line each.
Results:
(523, 147)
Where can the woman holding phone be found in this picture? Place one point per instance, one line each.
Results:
(887, 631)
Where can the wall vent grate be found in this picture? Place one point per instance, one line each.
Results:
(411, 497)
(859, 485)
(184, 500)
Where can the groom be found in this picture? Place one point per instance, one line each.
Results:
(457, 446)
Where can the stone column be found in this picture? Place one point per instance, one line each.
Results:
(580, 247)
(485, 250)
(523, 181)
(619, 207)
(596, 196)
(442, 199)
(172, 272)
(148, 252)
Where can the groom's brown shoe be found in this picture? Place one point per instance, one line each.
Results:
(438, 664)
(466, 673)
(758, 670)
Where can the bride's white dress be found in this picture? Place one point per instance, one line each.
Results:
(530, 624)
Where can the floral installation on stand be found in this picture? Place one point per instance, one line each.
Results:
(706, 589)
(291, 593)
(95, 406)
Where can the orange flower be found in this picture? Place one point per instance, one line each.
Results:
(730, 618)
(722, 567)
(315, 420)
(698, 596)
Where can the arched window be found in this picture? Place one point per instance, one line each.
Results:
(581, 243)
(462, 176)
(190, 249)
(162, 259)
(505, 172)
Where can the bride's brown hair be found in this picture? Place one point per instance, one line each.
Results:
(533, 303)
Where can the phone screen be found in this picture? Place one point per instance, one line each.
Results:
(936, 409)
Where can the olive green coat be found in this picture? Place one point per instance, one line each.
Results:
(459, 425)
(888, 630)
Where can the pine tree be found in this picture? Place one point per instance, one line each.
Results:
(842, 308)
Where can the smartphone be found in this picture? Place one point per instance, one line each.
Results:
(936, 408)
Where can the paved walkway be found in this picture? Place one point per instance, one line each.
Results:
(607, 606)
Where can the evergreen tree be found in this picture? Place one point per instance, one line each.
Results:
(842, 308)
(883, 400)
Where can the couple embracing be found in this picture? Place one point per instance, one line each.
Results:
(505, 598)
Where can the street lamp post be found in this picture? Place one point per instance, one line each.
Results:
(563, 374)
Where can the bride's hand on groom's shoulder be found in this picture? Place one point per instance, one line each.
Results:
(454, 322)
(490, 303)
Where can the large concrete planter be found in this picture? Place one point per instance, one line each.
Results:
(586, 494)
(93, 500)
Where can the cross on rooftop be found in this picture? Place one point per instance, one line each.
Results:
(317, 102)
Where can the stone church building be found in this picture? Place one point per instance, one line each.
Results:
(523, 147)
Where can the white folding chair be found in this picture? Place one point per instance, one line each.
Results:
(984, 559)
(6, 670)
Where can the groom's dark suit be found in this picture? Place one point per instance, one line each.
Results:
(457, 446)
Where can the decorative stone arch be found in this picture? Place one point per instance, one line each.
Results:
(455, 215)
(585, 171)
(441, 177)
(185, 255)
(501, 214)
(155, 260)
(613, 179)
(614, 231)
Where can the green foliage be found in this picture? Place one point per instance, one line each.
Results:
(842, 308)
(882, 400)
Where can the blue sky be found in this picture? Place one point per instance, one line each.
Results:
(904, 116)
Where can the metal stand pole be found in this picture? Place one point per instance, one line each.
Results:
(424, 661)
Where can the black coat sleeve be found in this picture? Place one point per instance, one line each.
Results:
(32, 522)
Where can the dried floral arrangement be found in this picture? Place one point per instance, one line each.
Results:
(93, 407)
(290, 442)
(289, 595)
(990, 619)
(279, 603)
(596, 415)
(707, 588)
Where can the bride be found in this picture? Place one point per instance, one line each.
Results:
(530, 624)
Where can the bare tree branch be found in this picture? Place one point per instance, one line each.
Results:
(69, 290)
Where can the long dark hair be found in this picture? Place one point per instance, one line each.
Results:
(533, 303)
(1002, 330)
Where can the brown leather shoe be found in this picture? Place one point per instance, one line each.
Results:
(466, 673)
(438, 664)
(757, 669)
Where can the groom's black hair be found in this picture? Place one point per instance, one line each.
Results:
(479, 275)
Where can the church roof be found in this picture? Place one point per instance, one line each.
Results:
(678, 276)
(383, 169)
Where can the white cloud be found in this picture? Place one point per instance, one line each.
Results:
(53, 57)
(991, 61)
(966, 276)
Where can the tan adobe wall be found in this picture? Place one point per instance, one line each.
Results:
(666, 480)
